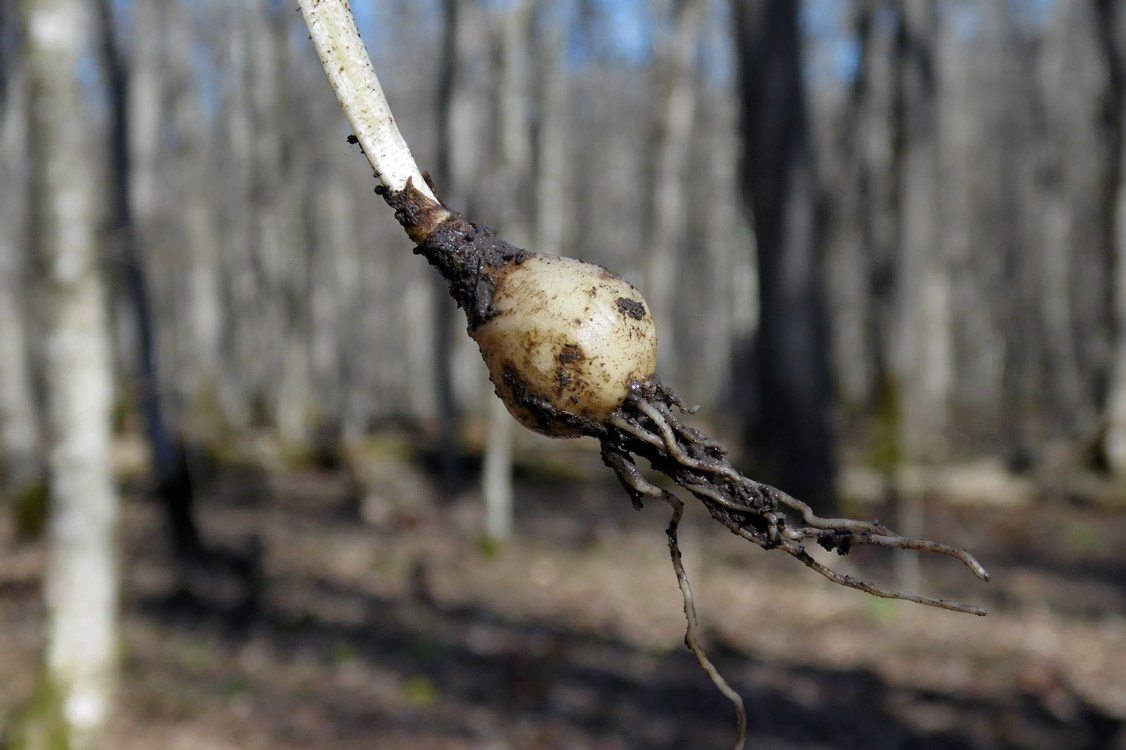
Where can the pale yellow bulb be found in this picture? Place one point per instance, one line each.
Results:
(567, 335)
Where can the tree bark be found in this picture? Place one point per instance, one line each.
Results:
(847, 261)
(20, 438)
(1071, 168)
(189, 182)
(81, 577)
(921, 362)
(1112, 41)
(791, 366)
(514, 152)
(241, 387)
(459, 144)
(550, 211)
(169, 469)
(667, 215)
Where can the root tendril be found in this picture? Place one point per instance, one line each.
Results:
(646, 426)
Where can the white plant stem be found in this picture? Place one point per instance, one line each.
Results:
(349, 69)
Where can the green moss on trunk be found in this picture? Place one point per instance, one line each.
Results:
(42, 724)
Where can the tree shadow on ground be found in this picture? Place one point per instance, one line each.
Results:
(466, 674)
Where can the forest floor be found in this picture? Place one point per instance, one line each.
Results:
(367, 614)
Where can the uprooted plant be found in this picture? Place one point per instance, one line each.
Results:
(571, 350)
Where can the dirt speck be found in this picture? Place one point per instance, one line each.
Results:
(571, 353)
(631, 308)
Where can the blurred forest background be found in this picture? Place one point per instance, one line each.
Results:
(878, 237)
(966, 191)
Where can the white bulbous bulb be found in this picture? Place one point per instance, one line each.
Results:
(569, 336)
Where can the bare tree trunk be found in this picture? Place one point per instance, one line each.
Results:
(880, 225)
(1071, 170)
(240, 390)
(847, 259)
(550, 210)
(20, 439)
(190, 182)
(281, 261)
(922, 352)
(730, 300)
(459, 144)
(1112, 38)
(171, 480)
(514, 151)
(921, 347)
(668, 204)
(81, 578)
(791, 366)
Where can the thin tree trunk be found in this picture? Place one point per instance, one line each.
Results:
(1112, 38)
(550, 211)
(192, 173)
(921, 353)
(81, 577)
(1070, 167)
(514, 151)
(922, 363)
(791, 366)
(171, 480)
(240, 390)
(667, 218)
(847, 262)
(280, 221)
(20, 439)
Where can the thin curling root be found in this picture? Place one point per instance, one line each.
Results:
(646, 426)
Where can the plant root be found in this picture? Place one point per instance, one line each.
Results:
(647, 426)
(637, 488)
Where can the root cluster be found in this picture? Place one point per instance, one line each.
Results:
(647, 425)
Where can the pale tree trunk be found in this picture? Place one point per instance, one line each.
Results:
(985, 135)
(20, 439)
(847, 258)
(922, 354)
(1022, 376)
(968, 331)
(241, 384)
(191, 172)
(1004, 96)
(1070, 172)
(668, 204)
(280, 228)
(726, 237)
(550, 210)
(790, 374)
(81, 577)
(514, 152)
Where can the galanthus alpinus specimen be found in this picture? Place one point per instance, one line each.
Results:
(571, 350)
